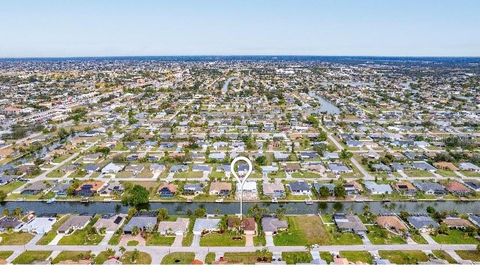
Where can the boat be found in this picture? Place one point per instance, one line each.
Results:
(275, 200)
(189, 200)
(219, 200)
(85, 200)
(309, 202)
(50, 201)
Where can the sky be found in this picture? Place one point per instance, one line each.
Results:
(63, 28)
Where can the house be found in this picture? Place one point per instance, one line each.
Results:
(475, 219)
(422, 223)
(430, 188)
(274, 190)
(220, 188)
(457, 223)
(89, 168)
(353, 188)
(142, 223)
(135, 169)
(5, 179)
(354, 143)
(292, 167)
(469, 167)
(61, 189)
(218, 156)
(404, 187)
(89, 188)
(339, 168)
(315, 166)
(178, 227)
(112, 168)
(272, 225)
(201, 167)
(457, 188)
(331, 155)
(109, 222)
(349, 223)
(445, 166)
(422, 165)
(157, 168)
(308, 155)
(279, 156)
(74, 222)
(111, 189)
(392, 223)
(377, 189)
(205, 225)
(9, 222)
(329, 186)
(92, 157)
(475, 186)
(269, 169)
(247, 224)
(167, 190)
(178, 168)
(34, 188)
(192, 189)
(299, 188)
(39, 225)
(249, 189)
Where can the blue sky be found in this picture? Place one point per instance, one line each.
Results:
(49, 28)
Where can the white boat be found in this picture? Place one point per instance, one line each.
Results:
(219, 200)
(50, 201)
(275, 200)
(309, 202)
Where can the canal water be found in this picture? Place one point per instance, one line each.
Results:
(325, 105)
(377, 207)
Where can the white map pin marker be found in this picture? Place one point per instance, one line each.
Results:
(241, 182)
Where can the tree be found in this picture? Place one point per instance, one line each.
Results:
(280, 213)
(345, 154)
(162, 214)
(3, 196)
(200, 212)
(324, 192)
(257, 212)
(135, 196)
(339, 191)
(262, 160)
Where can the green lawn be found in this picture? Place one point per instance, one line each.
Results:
(341, 238)
(14, 238)
(210, 258)
(446, 173)
(455, 237)
(72, 256)
(179, 258)
(306, 175)
(30, 257)
(132, 243)
(326, 256)
(103, 256)
(247, 257)
(362, 257)
(157, 239)
(56, 174)
(188, 238)
(444, 256)
(48, 237)
(11, 186)
(222, 239)
(115, 239)
(303, 230)
(378, 235)
(4, 255)
(297, 257)
(472, 255)
(259, 240)
(188, 174)
(404, 257)
(418, 173)
(418, 239)
(136, 257)
(81, 237)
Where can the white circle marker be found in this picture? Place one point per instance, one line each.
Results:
(241, 182)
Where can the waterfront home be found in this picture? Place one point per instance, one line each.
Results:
(247, 225)
(457, 188)
(353, 188)
(457, 223)
(89, 188)
(177, 227)
(111, 188)
(9, 223)
(329, 186)
(404, 187)
(205, 225)
(423, 223)
(192, 189)
(109, 222)
(220, 188)
(274, 190)
(430, 188)
(34, 188)
(74, 222)
(167, 190)
(349, 223)
(272, 225)
(377, 189)
(475, 186)
(144, 223)
(392, 223)
(39, 225)
(299, 188)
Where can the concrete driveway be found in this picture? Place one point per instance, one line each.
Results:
(269, 240)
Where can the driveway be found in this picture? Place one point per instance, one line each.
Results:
(269, 240)
(178, 241)
(249, 240)
(56, 239)
(196, 241)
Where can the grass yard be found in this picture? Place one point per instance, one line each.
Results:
(444, 256)
(115, 239)
(11, 186)
(326, 256)
(455, 237)
(472, 255)
(31, 257)
(418, 173)
(14, 238)
(247, 257)
(404, 257)
(132, 243)
(306, 175)
(297, 257)
(178, 258)
(4, 255)
(378, 235)
(157, 239)
(136, 257)
(73, 257)
(358, 257)
(259, 240)
(446, 173)
(103, 256)
(188, 174)
(340, 238)
(188, 238)
(48, 237)
(303, 230)
(56, 174)
(222, 239)
(418, 239)
(210, 258)
(85, 236)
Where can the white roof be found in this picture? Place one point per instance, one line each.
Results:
(39, 225)
(248, 186)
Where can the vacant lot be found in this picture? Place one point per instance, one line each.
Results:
(303, 230)
(179, 258)
(71, 257)
(222, 239)
(14, 238)
(455, 237)
(136, 257)
(378, 235)
(157, 239)
(31, 257)
(247, 257)
(404, 257)
(471, 255)
(297, 257)
(444, 256)
(361, 257)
